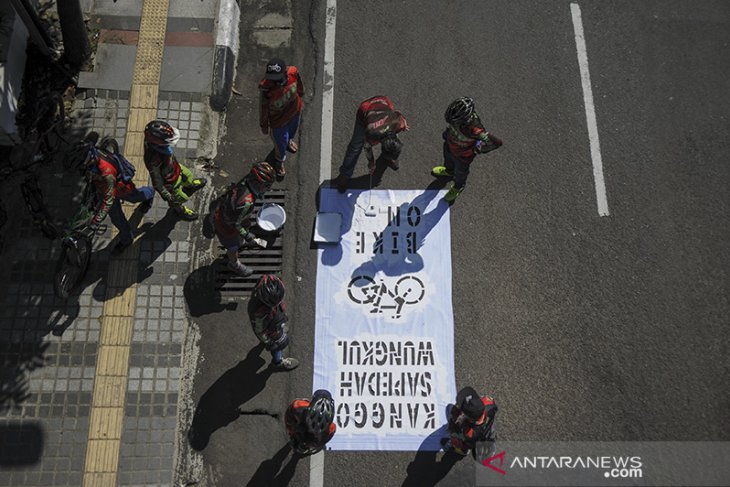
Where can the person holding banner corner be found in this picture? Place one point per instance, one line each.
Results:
(310, 424)
(471, 421)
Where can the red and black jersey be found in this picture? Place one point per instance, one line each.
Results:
(463, 140)
(297, 427)
(105, 178)
(279, 104)
(379, 117)
(472, 431)
(163, 167)
(233, 209)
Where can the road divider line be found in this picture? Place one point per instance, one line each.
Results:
(316, 462)
(585, 76)
(328, 91)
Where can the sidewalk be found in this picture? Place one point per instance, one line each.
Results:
(49, 349)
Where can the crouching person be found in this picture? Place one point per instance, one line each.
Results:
(310, 424)
(471, 422)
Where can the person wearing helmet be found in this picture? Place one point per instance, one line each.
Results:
(376, 122)
(231, 215)
(111, 189)
(172, 180)
(310, 424)
(471, 420)
(281, 93)
(464, 138)
(267, 312)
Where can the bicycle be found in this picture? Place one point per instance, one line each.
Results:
(42, 136)
(73, 263)
(408, 290)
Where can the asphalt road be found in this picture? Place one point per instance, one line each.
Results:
(582, 327)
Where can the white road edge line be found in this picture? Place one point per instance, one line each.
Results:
(585, 76)
(316, 462)
(328, 92)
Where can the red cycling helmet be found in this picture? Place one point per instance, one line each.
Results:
(159, 132)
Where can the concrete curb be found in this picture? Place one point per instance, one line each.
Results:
(226, 51)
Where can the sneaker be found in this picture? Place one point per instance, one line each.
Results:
(197, 184)
(288, 363)
(186, 213)
(145, 206)
(341, 183)
(292, 147)
(448, 447)
(120, 247)
(442, 172)
(239, 268)
(280, 171)
(453, 193)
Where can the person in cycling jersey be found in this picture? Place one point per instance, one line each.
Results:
(267, 312)
(376, 122)
(280, 109)
(111, 190)
(172, 180)
(310, 423)
(231, 216)
(471, 420)
(464, 138)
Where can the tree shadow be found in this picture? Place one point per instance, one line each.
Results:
(424, 470)
(21, 444)
(270, 473)
(201, 294)
(219, 405)
(17, 361)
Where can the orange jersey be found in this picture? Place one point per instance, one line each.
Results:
(279, 104)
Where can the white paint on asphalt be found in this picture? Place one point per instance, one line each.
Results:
(585, 76)
(316, 462)
(328, 92)
(316, 469)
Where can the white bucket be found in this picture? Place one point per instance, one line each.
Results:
(271, 217)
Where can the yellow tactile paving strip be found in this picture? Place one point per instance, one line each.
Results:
(112, 364)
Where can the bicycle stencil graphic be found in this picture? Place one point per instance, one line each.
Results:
(382, 297)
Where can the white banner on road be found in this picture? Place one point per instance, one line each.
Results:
(384, 339)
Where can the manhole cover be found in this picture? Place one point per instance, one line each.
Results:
(262, 261)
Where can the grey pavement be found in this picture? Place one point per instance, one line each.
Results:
(48, 347)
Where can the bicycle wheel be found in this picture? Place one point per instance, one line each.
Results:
(33, 197)
(71, 268)
(360, 290)
(65, 277)
(410, 288)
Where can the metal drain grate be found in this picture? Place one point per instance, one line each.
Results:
(262, 261)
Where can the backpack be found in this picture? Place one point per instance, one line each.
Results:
(125, 169)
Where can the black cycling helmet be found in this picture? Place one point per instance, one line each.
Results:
(321, 413)
(269, 290)
(161, 133)
(469, 402)
(391, 146)
(460, 111)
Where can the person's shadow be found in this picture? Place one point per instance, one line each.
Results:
(150, 233)
(201, 294)
(269, 475)
(407, 259)
(220, 404)
(333, 253)
(424, 470)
